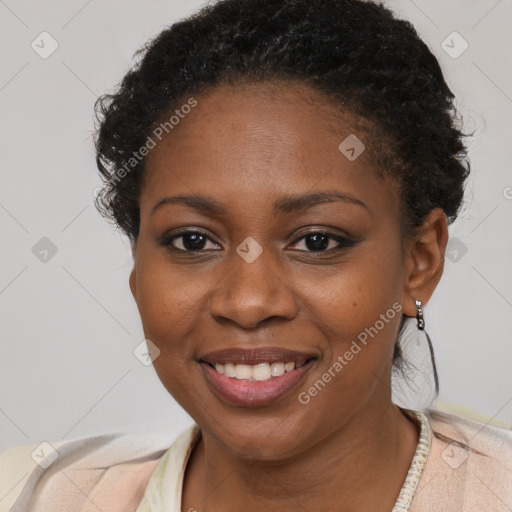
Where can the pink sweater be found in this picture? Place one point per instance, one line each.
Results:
(468, 469)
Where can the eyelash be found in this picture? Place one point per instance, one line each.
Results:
(343, 242)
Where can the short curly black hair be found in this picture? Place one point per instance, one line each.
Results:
(368, 62)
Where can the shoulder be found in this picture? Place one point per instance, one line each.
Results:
(468, 467)
(477, 435)
(43, 472)
(165, 484)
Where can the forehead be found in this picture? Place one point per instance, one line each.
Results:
(259, 141)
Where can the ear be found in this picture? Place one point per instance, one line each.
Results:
(133, 277)
(424, 260)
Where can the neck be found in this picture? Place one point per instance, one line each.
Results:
(349, 469)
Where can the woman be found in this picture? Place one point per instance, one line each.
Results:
(285, 171)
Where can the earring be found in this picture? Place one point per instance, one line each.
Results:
(421, 326)
(419, 316)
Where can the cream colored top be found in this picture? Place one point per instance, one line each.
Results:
(460, 465)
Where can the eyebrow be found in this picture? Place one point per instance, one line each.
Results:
(288, 204)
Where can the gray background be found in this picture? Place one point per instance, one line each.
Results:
(69, 324)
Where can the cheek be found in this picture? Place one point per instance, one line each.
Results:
(355, 295)
(168, 298)
(358, 308)
(168, 305)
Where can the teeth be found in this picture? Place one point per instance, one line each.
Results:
(229, 370)
(277, 369)
(243, 371)
(256, 372)
(261, 371)
(289, 366)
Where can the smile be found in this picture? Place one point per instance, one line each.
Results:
(256, 372)
(255, 376)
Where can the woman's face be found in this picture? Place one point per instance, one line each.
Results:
(262, 274)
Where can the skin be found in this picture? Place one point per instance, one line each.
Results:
(246, 147)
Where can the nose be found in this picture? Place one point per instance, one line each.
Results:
(250, 294)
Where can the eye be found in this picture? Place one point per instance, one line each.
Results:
(314, 241)
(322, 241)
(188, 241)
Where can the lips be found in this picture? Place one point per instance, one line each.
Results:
(256, 356)
(241, 376)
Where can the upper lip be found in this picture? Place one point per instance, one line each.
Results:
(253, 356)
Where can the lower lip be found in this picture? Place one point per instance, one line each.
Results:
(243, 392)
